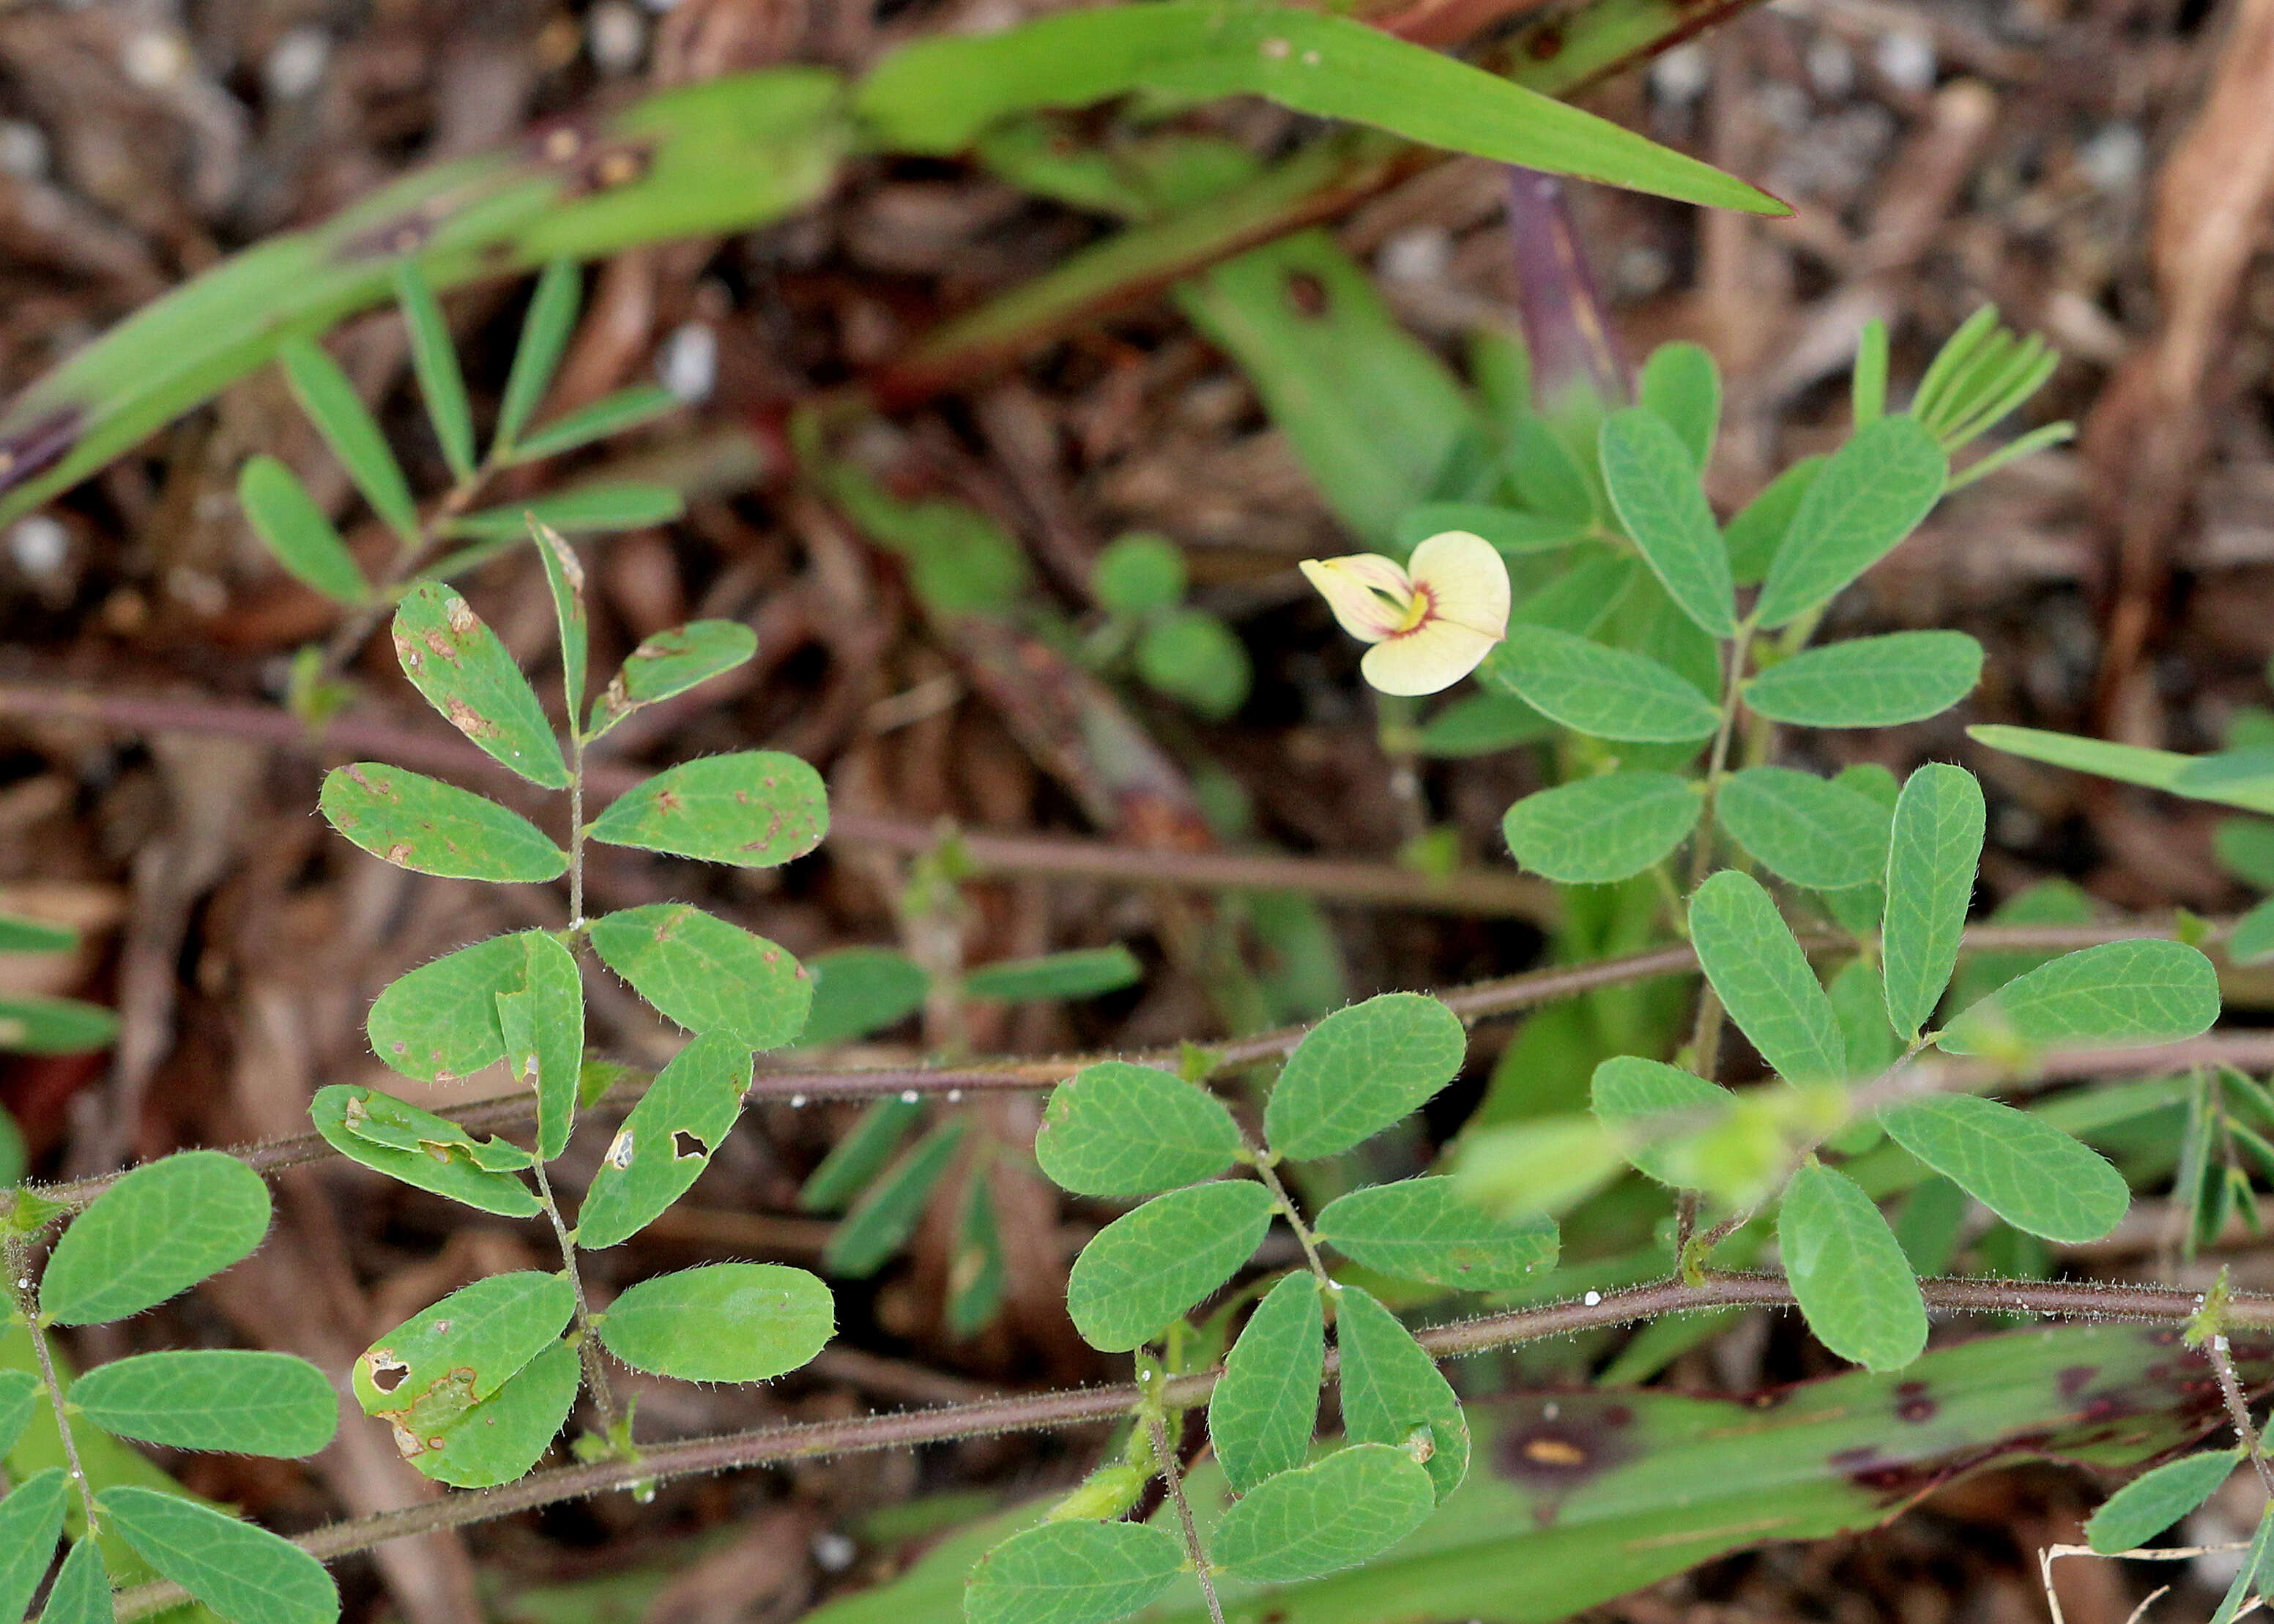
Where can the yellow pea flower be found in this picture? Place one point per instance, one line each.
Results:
(1431, 620)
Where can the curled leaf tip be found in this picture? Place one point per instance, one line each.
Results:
(1431, 620)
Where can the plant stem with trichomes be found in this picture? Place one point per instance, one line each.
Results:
(21, 1281)
(1166, 1458)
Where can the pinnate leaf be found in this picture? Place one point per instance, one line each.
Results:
(668, 1138)
(2152, 1502)
(542, 1027)
(81, 1592)
(304, 540)
(456, 661)
(245, 1573)
(706, 974)
(611, 414)
(439, 1023)
(2021, 1167)
(1115, 1129)
(158, 1230)
(1390, 1386)
(1848, 1271)
(1601, 829)
(31, 1521)
(564, 579)
(1651, 475)
(1868, 496)
(55, 1026)
(1604, 692)
(435, 359)
(1870, 681)
(1072, 1573)
(220, 1399)
(670, 663)
(1763, 979)
(329, 398)
(19, 1397)
(1347, 1508)
(1360, 1069)
(617, 504)
(545, 329)
(366, 1125)
(424, 1373)
(1680, 383)
(430, 827)
(1806, 829)
(1649, 1102)
(1149, 1266)
(1082, 973)
(885, 1215)
(1420, 1229)
(2119, 992)
(498, 1439)
(754, 809)
(1933, 854)
(721, 1322)
(858, 990)
(1266, 1407)
(858, 1156)
(1756, 530)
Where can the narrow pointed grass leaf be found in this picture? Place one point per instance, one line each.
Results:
(2117, 993)
(1392, 1389)
(434, 357)
(297, 533)
(668, 1138)
(81, 1592)
(1347, 1510)
(2244, 771)
(2042, 438)
(31, 1521)
(1958, 351)
(1266, 1407)
(754, 809)
(2250, 1579)
(1651, 475)
(1870, 681)
(1933, 854)
(1867, 389)
(706, 974)
(1603, 692)
(245, 1573)
(1360, 1069)
(55, 1026)
(447, 1164)
(439, 1023)
(1806, 829)
(882, 1219)
(464, 672)
(545, 331)
(1763, 979)
(542, 1027)
(860, 990)
(976, 1266)
(860, 1155)
(1512, 531)
(430, 827)
(1115, 1129)
(618, 505)
(499, 1439)
(1868, 496)
(19, 1398)
(329, 398)
(611, 414)
(2129, 763)
(157, 1231)
(1680, 384)
(1650, 1103)
(1073, 1573)
(1420, 1229)
(1756, 531)
(670, 663)
(1149, 1266)
(564, 578)
(1848, 1273)
(1082, 973)
(227, 1400)
(721, 1322)
(2021, 1167)
(2152, 1502)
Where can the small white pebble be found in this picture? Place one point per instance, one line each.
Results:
(154, 59)
(833, 1551)
(1680, 77)
(38, 544)
(1906, 61)
(689, 365)
(616, 36)
(23, 149)
(797, 1100)
(955, 1096)
(908, 1096)
(295, 63)
(1592, 1299)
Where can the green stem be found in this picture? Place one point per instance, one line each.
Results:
(1166, 1458)
(588, 1339)
(20, 1279)
(1266, 1169)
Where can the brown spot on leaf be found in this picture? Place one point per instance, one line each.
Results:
(2073, 1378)
(1913, 1403)
(471, 722)
(399, 853)
(1308, 295)
(460, 614)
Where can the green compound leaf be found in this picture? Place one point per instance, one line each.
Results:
(1420, 1229)
(1870, 681)
(1806, 829)
(31, 1521)
(858, 990)
(1680, 384)
(1266, 1407)
(2152, 1502)
(435, 359)
(1391, 1388)
(159, 1231)
(1360, 1069)
(498, 1439)
(542, 1027)
(1149, 1266)
(1933, 854)
(1849, 1272)
(81, 1592)
(458, 663)
(1601, 829)
(610, 414)
(620, 505)
(1763, 979)
(721, 1322)
(1512, 531)
(19, 1397)
(1868, 496)
(754, 810)
(860, 1155)
(423, 1377)
(1757, 531)
(1083, 973)
(53, 1026)
(706, 974)
(296, 532)
(218, 1399)
(884, 1218)
(545, 329)
(442, 1157)
(439, 1023)
(2119, 992)
(1115, 1129)
(2021, 1167)
(329, 398)
(1072, 1573)
(1648, 1101)
(1190, 655)
(1348, 1508)
(668, 1138)
(1651, 475)
(245, 1573)
(1606, 693)
(669, 663)
(430, 827)
(564, 579)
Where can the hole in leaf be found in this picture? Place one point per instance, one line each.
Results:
(386, 1371)
(685, 1145)
(620, 1151)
